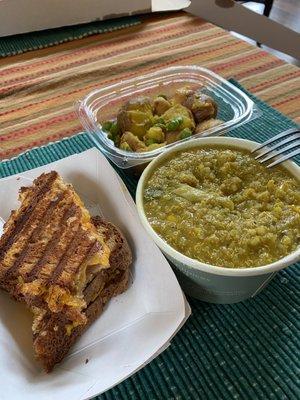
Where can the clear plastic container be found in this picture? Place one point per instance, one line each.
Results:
(234, 107)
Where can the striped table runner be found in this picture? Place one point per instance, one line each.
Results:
(38, 89)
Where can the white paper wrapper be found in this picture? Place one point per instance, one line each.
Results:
(135, 326)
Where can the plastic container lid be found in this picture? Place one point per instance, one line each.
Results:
(234, 106)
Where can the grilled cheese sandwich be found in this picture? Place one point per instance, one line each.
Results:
(50, 252)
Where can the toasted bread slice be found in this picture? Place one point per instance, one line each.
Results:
(54, 333)
(48, 245)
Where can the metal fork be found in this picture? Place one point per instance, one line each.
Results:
(288, 146)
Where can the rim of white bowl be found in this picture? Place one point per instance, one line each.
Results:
(238, 143)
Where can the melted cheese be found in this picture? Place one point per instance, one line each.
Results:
(70, 327)
(56, 297)
(102, 257)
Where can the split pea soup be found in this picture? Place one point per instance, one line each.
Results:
(222, 207)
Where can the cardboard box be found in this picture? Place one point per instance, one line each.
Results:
(235, 17)
(20, 16)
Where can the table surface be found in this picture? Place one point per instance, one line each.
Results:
(38, 89)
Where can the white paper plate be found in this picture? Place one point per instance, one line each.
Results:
(135, 326)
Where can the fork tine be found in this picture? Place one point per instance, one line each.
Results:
(281, 151)
(279, 136)
(284, 158)
(287, 140)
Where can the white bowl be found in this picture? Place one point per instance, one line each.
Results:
(207, 282)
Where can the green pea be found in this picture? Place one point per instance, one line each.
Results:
(113, 133)
(149, 141)
(114, 129)
(174, 124)
(185, 133)
(116, 140)
(106, 126)
(161, 126)
(160, 120)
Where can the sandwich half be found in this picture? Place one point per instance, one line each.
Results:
(61, 263)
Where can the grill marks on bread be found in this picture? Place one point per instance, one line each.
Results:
(21, 219)
(50, 256)
(34, 241)
(54, 334)
(46, 242)
(78, 252)
(51, 247)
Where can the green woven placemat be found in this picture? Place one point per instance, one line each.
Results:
(245, 351)
(18, 44)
